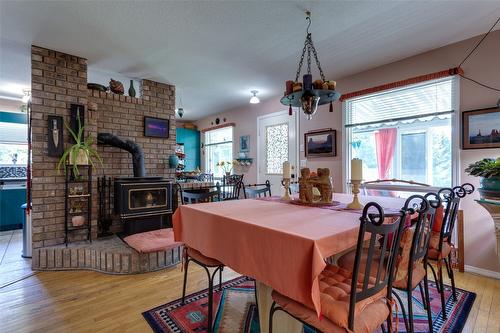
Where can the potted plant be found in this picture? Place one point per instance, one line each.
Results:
(488, 169)
(226, 166)
(79, 153)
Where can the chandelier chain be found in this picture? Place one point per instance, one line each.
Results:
(317, 61)
(309, 54)
(301, 61)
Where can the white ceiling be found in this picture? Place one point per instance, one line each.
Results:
(215, 52)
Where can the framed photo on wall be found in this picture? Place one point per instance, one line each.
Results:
(244, 143)
(481, 128)
(321, 143)
(156, 127)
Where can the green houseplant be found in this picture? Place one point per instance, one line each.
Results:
(79, 153)
(488, 169)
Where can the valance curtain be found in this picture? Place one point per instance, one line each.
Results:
(385, 142)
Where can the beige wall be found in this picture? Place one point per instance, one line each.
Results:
(483, 66)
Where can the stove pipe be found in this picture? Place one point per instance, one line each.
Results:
(128, 145)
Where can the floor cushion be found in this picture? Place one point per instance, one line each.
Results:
(153, 241)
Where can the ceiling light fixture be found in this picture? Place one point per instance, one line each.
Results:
(180, 109)
(308, 94)
(254, 99)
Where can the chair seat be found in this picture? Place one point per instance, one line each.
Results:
(335, 285)
(207, 261)
(433, 252)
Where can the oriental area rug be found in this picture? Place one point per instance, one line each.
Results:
(236, 311)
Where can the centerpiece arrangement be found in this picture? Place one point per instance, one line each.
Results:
(488, 169)
(227, 166)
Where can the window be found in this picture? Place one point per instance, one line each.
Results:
(276, 148)
(404, 133)
(218, 148)
(13, 144)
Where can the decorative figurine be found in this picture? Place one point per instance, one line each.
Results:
(116, 87)
(315, 188)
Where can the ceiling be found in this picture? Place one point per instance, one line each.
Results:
(216, 52)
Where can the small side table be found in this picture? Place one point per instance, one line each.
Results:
(493, 207)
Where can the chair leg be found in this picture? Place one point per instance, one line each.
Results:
(220, 277)
(441, 291)
(185, 280)
(271, 315)
(410, 309)
(435, 277)
(210, 301)
(422, 294)
(428, 302)
(403, 311)
(452, 278)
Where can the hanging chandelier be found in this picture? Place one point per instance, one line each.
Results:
(309, 94)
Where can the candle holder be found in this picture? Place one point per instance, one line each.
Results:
(286, 185)
(355, 204)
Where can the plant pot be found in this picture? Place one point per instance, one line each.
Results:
(490, 187)
(81, 159)
(78, 221)
(228, 173)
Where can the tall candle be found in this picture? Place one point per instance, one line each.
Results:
(356, 169)
(287, 170)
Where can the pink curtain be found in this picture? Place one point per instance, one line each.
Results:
(385, 142)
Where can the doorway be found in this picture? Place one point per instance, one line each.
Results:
(277, 142)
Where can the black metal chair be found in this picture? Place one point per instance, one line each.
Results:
(414, 244)
(203, 194)
(440, 245)
(257, 190)
(206, 177)
(231, 187)
(362, 285)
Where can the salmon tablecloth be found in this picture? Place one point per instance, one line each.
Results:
(279, 244)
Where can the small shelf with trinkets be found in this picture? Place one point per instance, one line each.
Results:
(78, 201)
(247, 161)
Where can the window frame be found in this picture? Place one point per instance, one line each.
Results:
(207, 146)
(455, 136)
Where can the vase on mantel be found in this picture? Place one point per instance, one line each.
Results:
(131, 90)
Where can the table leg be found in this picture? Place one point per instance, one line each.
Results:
(282, 322)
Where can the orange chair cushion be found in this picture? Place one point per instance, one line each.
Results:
(152, 241)
(207, 261)
(346, 261)
(438, 219)
(433, 252)
(335, 289)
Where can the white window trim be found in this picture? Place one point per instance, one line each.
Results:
(455, 142)
(205, 157)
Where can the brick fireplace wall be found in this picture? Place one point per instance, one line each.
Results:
(59, 80)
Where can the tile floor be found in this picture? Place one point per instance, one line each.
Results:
(12, 266)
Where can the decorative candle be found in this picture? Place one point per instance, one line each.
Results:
(356, 169)
(289, 87)
(287, 170)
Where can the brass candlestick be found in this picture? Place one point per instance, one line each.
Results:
(286, 185)
(355, 204)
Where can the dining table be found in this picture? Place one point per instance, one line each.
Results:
(281, 244)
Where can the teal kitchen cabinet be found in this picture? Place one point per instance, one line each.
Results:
(11, 214)
(191, 140)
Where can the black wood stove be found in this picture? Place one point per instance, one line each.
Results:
(142, 203)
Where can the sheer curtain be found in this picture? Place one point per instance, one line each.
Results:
(385, 141)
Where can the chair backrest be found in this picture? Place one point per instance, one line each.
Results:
(421, 230)
(451, 198)
(293, 187)
(370, 282)
(202, 194)
(206, 177)
(231, 187)
(257, 190)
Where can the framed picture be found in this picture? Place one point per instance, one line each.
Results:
(55, 146)
(322, 143)
(244, 143)
(156, 127)
(481, 128)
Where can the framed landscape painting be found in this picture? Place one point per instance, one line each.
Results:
(481, 128)
(322, 143)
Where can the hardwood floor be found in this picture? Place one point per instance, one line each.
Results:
(12, 265)
(80, 301)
